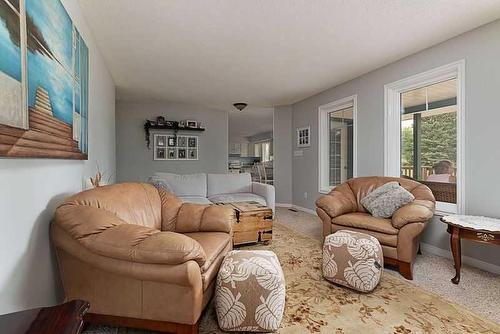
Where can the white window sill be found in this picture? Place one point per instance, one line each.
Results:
(443, 209)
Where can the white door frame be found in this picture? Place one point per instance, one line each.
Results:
(323, 135)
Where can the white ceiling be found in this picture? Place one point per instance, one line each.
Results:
(250, 122)
(264, 52)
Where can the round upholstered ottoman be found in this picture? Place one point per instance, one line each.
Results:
(250, 292)
(353, 259)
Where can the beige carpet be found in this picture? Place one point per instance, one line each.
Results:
(315, 305)
(478, 291)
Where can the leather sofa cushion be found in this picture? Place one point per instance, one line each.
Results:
(384, 239)
(238, 197)
(229, 183)
(213, 243)
(367, 222)
(185, 185)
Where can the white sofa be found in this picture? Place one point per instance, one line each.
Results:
(215, 188)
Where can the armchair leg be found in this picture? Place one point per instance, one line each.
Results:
(406, 270)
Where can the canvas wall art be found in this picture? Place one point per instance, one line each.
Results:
(43, 82)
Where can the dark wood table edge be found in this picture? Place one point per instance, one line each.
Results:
(457, 233)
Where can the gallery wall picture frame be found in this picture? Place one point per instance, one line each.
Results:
(304, 136)
(172, 147)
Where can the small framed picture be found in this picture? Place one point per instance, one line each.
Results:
(191, 124)
(161, 140)
(160, 153)
(171, 154)
(181, 141)
(192, 154)
(303, 136)
(193, 142)
(172, 141)
(181, 153)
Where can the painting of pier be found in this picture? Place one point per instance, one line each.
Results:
(43, 82)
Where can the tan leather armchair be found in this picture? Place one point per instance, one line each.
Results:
(399, 236)
(140, 256)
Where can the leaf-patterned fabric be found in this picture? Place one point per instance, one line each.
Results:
(353, 259)
(250, 292)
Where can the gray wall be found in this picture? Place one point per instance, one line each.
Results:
(481, 50)
(31, 189)
(135, 162)
(283, 154)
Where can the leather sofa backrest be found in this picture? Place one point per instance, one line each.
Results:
(134, 203)
(359, 187)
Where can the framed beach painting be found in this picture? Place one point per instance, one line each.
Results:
(44, 78)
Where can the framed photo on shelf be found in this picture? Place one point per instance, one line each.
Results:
(181, 154)
(304, 136)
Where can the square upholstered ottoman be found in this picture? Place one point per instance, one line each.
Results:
(353, 259)
(250, 292)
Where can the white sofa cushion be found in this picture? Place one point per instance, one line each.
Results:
(229, 183)
(185, 185)
(238, 197)
(195, 199)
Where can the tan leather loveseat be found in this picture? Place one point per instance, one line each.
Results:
(399, 236)
(139, 256)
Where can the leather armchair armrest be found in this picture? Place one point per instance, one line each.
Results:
(205, 218)
(335, 204)
(267, 191)
(103, 233)
(417, 211)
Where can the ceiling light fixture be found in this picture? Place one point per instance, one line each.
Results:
(240, 105)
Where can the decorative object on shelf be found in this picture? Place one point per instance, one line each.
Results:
(160, 120)
(97, 180)
(303, 136)
(240, 105)
(169, 125)
(475, 228)
(191, 124)
(175, 147)
(44, 82)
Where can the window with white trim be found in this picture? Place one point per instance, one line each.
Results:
(337, 138)
(427, 127)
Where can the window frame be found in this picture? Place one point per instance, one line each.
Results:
(392, 124)
(324, 135)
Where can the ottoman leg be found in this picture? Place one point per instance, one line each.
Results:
(406, 270)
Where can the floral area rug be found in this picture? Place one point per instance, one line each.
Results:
(314, 305)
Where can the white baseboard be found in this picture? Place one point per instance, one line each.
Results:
(296, 207)
(492, 268)
(306, 210)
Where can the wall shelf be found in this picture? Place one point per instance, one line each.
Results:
(148, 126)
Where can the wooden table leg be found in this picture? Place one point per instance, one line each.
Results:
(457, 253)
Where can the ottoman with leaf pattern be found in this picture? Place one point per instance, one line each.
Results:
(250, 292)
(353, 259)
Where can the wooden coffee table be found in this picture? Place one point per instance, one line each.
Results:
(254, 223)
(476, 228)
(66, 318)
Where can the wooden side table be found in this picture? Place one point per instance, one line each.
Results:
(66, 318)
(476, 228)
